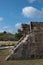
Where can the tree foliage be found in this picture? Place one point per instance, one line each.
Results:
(18, 36)
(4, 36)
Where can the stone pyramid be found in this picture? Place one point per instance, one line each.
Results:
(30, 46)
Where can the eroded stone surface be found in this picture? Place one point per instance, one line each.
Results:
(31, 46)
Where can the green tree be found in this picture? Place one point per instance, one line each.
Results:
(18, 36)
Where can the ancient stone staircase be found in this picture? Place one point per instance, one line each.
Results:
(21, 41)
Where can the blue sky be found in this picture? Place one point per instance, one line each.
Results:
(15, 12)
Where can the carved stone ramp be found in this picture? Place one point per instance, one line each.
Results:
(21, 41)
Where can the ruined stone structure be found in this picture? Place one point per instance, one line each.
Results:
(30, 46)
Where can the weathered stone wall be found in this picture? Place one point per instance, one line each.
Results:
(33, 46)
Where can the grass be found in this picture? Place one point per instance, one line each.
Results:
(5, 52)
(7, 42)
(23, 62)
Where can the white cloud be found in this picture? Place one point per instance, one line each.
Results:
(1, 30)
(5, 27)
(31, 1)
(18, 25)
(1, 19)
(32, 12)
